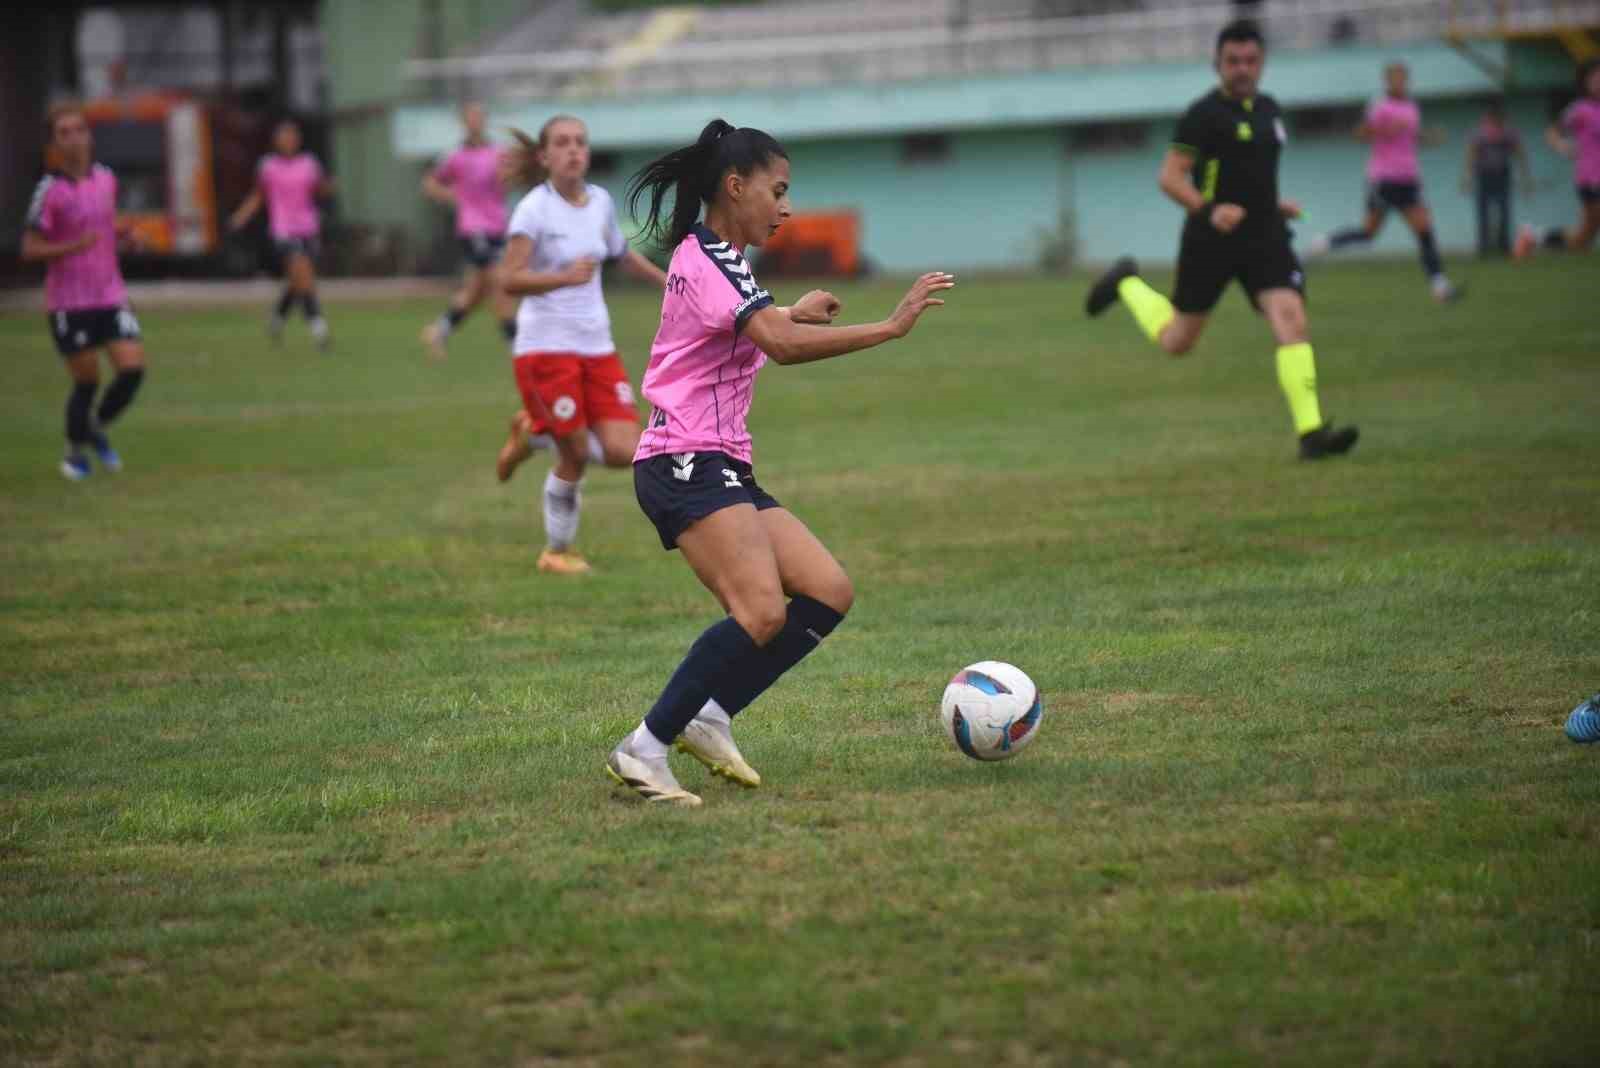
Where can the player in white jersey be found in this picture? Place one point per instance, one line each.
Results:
(575, 392)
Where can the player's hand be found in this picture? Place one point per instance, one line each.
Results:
(581, 271)
(818, 307)
(918, 299)
(1225, 218)
(1290, 209)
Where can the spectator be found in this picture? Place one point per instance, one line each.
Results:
(1488, 175)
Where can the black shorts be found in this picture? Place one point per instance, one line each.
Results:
(288, 247)
(1588, 194)
(1381, 196)
(1208, 261)
(678, 490)
(482, 250)
(90, 328)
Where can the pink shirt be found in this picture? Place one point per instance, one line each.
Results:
(289, 184)
(702, 371)
(1396, 125)
(63, 209)
(473, 173)
(1581, 121)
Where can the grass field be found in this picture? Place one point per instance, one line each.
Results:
(300, 760)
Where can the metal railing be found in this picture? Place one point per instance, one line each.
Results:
(941, 48)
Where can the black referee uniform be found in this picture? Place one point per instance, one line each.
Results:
(1235, 145)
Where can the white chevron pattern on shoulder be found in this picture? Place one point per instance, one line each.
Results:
(718, 246)
(36, 205)
(730, 255)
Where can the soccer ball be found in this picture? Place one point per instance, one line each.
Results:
(991, 710)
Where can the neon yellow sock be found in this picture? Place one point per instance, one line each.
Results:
(1297, 374)
(1149, 308)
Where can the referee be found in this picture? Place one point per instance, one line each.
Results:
(1222, 169)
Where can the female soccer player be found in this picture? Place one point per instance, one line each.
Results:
(72, 227)
(290, 181)
(1393, 126)
(575, 391)
(472, 179)
(1576, 135)
(692, 472)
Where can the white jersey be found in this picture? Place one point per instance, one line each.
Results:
(572, 319)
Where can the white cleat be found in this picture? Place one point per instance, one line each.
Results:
(712, 745)
(650, 779)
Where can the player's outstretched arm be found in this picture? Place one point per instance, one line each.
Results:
(786, 341)
(637, 265)
(246, 211)
(437, 191)
(36, 248)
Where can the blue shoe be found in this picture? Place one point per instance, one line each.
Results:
(75, 467)
(1583, 726)
(102, 449)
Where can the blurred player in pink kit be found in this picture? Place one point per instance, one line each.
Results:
(692, 472)
(1576, 135)
(472, 179)
(1394, 178)
(72, 228)
(289, 182)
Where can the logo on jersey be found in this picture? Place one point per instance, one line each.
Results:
(677, 284)
(749, 302)
(1244, 132)
(127, 325)
(1278, 128)
(730, 478)
(564, 408)
(624, 394)
(683, 466)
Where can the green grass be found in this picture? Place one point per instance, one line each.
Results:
(300, 760)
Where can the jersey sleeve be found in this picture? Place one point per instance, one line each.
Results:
(525, 219)
(726, 291)
(41, 208)
(1192, 135)
(616, 242)
(444, 171)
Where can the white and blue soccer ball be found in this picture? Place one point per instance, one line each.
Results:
(991, 710)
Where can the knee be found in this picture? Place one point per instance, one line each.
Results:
(761, 617)
(839, 593)
(1177, 345)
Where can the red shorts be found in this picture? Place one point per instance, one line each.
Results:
(564, 393)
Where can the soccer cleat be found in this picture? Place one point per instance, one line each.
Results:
(1446, 291)
(1583, 726)
(433, 340)
(102, 449)
(275, 328)
(1527, 241)
(563, 562)
(75, 467)
(516, 449)
(319, 334)
(650, 779)
(1328, 440)
(712, 745)
(1103, 293)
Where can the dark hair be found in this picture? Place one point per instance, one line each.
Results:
(58, 111)
(523, 161)
(1586, 68)
(694, 173)
(1241, 31)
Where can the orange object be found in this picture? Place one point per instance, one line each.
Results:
(815, 243)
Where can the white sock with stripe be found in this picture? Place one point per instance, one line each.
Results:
(562, 502)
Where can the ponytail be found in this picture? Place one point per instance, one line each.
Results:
(694, 174)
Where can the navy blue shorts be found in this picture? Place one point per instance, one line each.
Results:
(482, 250)
(1381, 196)
(289, 247)
(679, 490)
(92, 328)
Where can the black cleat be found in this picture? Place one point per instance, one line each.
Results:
(1327, 440)
(1104, 292)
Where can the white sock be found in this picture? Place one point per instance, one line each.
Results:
(597, 451)
(712, 712)
(646, 745)
(562, 502)
(319, 327)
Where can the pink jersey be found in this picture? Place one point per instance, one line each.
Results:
(1581, 121)
(1396, 125)
(702, 371)
(289, 184)
(63, 209)
(473, 173)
